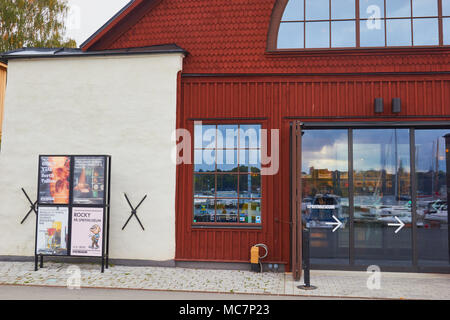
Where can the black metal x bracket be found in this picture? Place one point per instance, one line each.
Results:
(32, 206)
(134, 211)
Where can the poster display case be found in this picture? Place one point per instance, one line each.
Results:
(73, 207)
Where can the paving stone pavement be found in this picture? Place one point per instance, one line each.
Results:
(328, 283)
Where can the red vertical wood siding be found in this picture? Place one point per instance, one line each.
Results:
(275, 99)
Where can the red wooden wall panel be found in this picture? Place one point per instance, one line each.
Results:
(273, 101)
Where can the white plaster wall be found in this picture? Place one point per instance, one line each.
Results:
(123, 106)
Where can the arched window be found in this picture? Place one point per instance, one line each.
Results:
(319, 24)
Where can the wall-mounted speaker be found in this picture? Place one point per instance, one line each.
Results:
(379, 105)
(396, 105)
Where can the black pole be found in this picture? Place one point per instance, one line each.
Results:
(306, 260)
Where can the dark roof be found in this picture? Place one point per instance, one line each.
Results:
(30, 53)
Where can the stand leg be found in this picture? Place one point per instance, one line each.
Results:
(42, 261)
(107, 261)
(103, 264)
(36, 266)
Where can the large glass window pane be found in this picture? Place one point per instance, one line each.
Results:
(317, 10)
(372, 33)
(249, 211)
(425, 8)
(426, 32)
(432, 196)
(343, 34)
(446, 24)
(294, 11)
(250, 186)
(204, 210)
(399, 33)
(317, 35)
(446, 7)
(227, 211)
(291, 35)
(382, 194)
(227, 186)
(398, 8)
(325, 193)
(342, 9)
(371, 9)
(204, 185)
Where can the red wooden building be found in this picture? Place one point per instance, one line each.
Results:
(360, 93)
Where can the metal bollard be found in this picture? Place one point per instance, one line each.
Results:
(306, 261)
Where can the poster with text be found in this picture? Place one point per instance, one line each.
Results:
(87, 232)
(52, 231)
(89, 180)
(54, 177)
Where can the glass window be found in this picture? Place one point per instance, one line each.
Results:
(398, 8)
(446, 8)
(343, 34)
(294, 11)
(325, 193)
(372, 33)
(425, 8)
(446, 27)
(382, 194)
(371, 9)
(317, 10)
(291, 35)
(342, 9)
(317, 35)
(227, 174)
(426, 32)
(432, 196)
(399, 32)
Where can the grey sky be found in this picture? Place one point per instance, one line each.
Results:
(87, 16)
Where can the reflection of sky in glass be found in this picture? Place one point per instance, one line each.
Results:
(317, 35)
(446, 7)
(366, 8)
(343, 34)
(425, 8)
(317, 10)
(446, 24)
(398, 8)
(426, 153)
(426, 32)
(399, 32)
(342, 9)
(293, 11)
(372, 37)
(290, 35)
(325, 149)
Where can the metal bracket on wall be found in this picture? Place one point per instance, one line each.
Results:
(32, 206)
(134, 211)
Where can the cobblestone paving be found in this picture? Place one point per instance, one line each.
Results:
(328, 283)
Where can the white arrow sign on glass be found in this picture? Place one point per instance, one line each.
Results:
(400, 224)
(338, 223)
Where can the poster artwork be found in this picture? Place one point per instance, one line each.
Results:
(54, 180)
(87, 233)
(89, 180)
(52, 231)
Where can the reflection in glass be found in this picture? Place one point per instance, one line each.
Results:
(342, 9)
(343, 34)
(426, 32)
(398, 8)
(249, 211)
(250, 159)
(290, 35)
(325, 192)
(425, 8)
(204, 136)
(372, 33)
(446, 24)
(250, 135)
(227, 186)
(227, 136)
(317, 10)
(382, 192)
(399, 32)
(446, 8)
(204, 185)
(371, 9)
(317, 35)
(432, 197)
(250, 186)
(204, 160)
(227, 160)
(204, 210)
(294, 11)
(227, 210)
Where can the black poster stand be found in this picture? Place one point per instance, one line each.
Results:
(96, 191)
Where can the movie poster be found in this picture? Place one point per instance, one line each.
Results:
(89, 180)
(87, 233)
(54, 180)
(52, 231)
